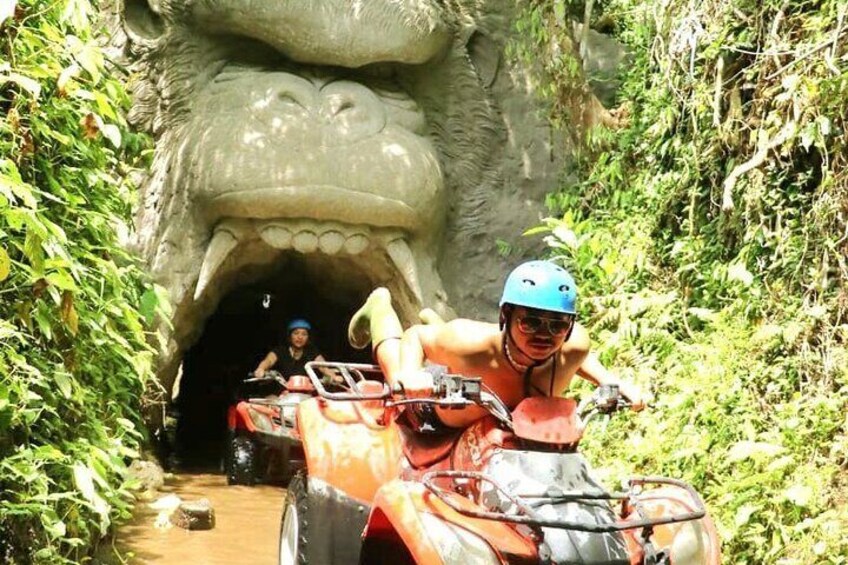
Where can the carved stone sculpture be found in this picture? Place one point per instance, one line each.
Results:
(357, 142)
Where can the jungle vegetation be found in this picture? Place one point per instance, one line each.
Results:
(705, 218)
(74, 306)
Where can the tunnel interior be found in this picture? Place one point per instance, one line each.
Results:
(248, 322)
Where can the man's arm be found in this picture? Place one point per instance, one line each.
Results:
(435, 342)
(593, 371)
(407, 372)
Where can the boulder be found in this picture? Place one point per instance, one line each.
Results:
(197, 515)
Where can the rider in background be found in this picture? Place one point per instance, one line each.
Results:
(536, 349)
(291, 358)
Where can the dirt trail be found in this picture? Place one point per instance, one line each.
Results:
(246, 529)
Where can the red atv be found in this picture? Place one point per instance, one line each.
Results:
(264, 420)
(511, 488)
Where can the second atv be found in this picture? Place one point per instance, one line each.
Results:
(263, 421)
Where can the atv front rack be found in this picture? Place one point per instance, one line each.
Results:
(352, 374)
(525, 503)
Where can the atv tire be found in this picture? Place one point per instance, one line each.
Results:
(294, 526)
(242, 458)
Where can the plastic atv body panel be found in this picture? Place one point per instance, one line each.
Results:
(397, 512)
(348, 447)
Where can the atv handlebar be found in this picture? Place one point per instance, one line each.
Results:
(606, 399)
(450, 390)
(269, 376)
(456, 391)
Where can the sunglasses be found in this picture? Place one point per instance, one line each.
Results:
(553, 326)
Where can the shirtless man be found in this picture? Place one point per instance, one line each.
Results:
(536, 349)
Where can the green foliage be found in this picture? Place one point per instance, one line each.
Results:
(74, 358)
(708, 231)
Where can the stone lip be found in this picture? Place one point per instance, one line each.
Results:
(316, 202)
(332, 32)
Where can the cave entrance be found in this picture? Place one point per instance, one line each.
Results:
(248, 322)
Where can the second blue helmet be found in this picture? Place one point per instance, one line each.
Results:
(542, 285)
(298, 324)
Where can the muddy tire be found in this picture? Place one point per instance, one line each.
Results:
(241, 460)
(294, 526)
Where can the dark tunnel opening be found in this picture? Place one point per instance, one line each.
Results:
(249, 321)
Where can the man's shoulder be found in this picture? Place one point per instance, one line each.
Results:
(466, 335)
(579, 339)
(466, 325)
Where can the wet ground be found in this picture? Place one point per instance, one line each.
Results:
(247, 525)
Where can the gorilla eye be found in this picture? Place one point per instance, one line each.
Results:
(564, 288)
(530, 282)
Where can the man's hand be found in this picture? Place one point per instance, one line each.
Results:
(331, 378)
(416, 384)
(259, 373)
(638, 401)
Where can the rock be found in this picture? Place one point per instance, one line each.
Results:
(198, 515)
(148, 473)
(603, 58)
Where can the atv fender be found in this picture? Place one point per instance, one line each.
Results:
(238, 417)
(396, 513)
(335, 436)
(694, 541)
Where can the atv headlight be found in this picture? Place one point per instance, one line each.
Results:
(458, 546)
(261, 421)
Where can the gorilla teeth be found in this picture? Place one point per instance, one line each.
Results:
(277, 237)
(401, 256)
(308, 236)
(223, 242)
(356, 244)
(305, 242)
(331, 242)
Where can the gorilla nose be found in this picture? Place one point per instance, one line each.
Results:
(348, 111)
(338, 112)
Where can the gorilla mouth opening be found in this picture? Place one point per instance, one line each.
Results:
(239, 244)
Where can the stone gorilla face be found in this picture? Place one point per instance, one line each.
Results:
(263, 144)
(359, 140)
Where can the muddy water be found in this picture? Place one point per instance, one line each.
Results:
(247, 525)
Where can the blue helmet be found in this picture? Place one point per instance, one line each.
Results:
(298, 324)
(541, 285)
